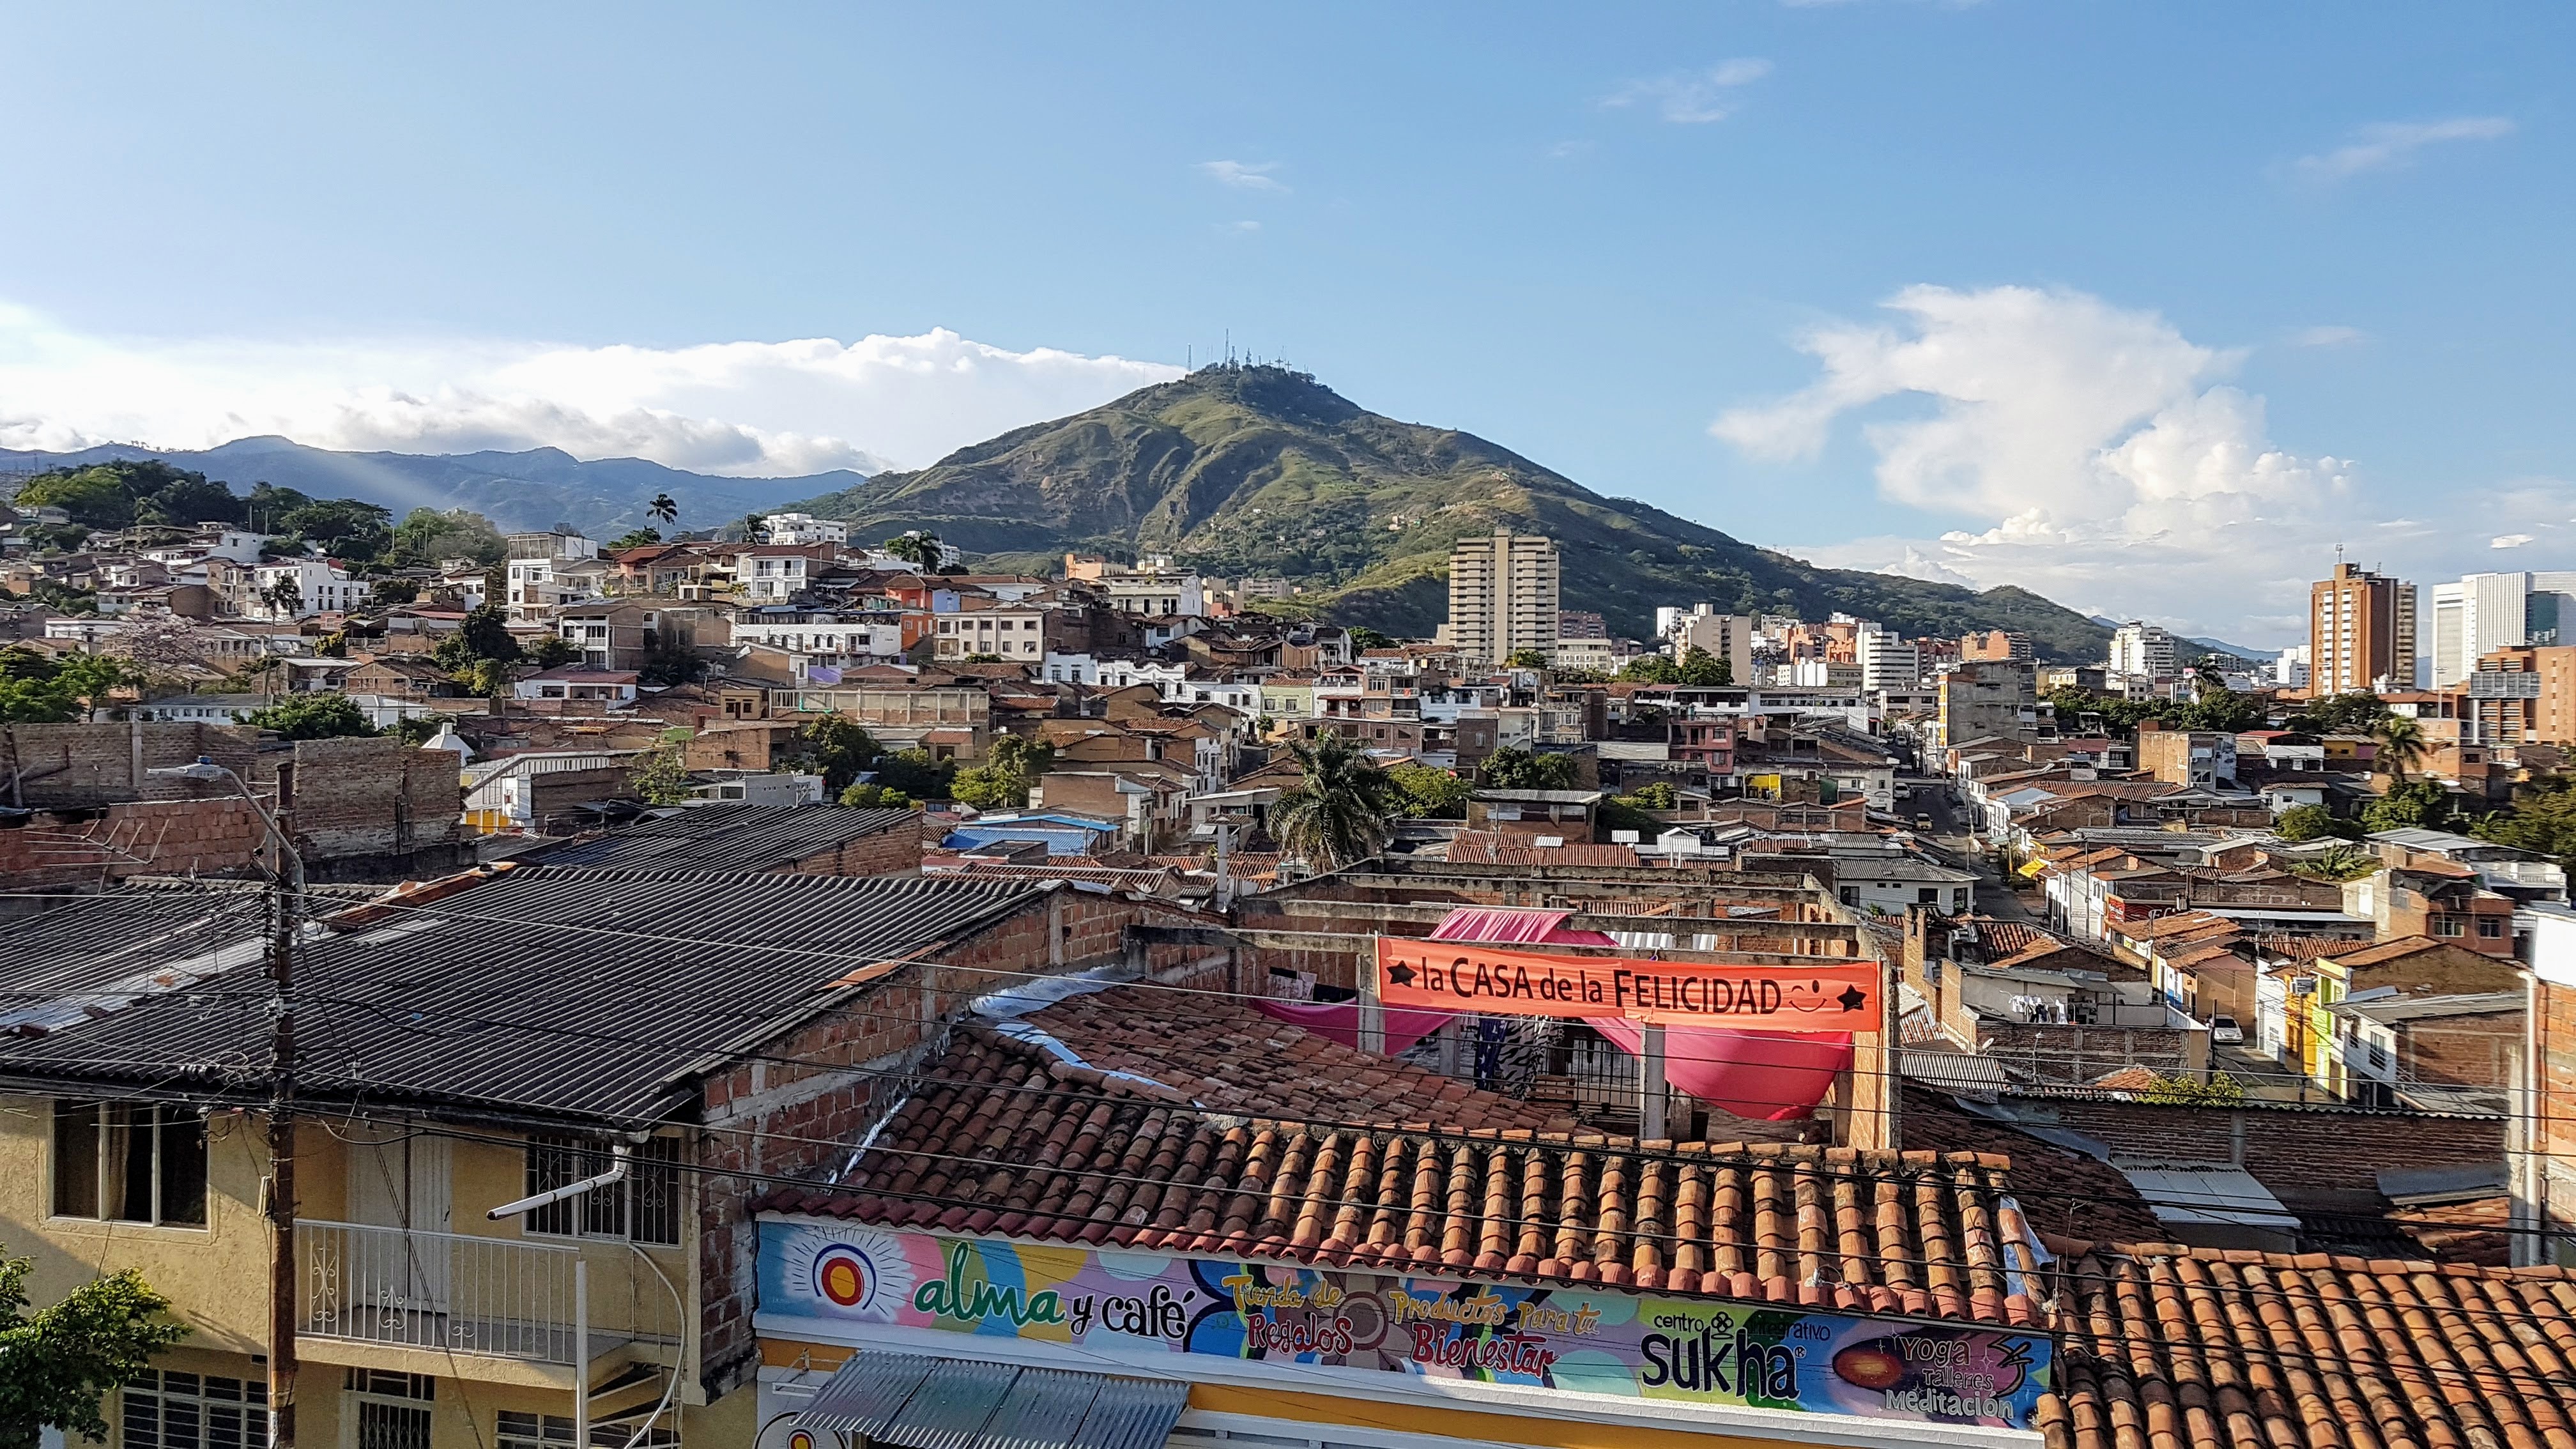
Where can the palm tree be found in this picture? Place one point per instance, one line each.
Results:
(663, 508)
(2401, 744)
(918, 548)
(1336, 812)
(753, 526)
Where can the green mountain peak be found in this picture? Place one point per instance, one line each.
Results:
(1259, 470)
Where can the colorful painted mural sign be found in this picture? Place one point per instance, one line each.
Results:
(1495, 980)
(1602, 1341)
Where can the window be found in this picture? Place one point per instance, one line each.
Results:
(193, 1411)
(130, 1162)
(644, 1207)
(2491, 929)
(391, 1412)
(548, 1431)
(2446, 926)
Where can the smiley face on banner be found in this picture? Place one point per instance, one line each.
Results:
(783, 1432)
(850, 1272)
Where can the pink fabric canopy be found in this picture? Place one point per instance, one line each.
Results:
(1340, 1021)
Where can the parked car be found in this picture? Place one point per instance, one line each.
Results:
(1922, 822)
(2225, 1031)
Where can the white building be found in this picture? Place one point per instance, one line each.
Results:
(2485, 612)
(1887, 661)
(804, 528)
(828, 641)
(1157, 594)
(301, 588)
(2290, 671)
(2144, 649)
(538, 586)
(772, 573)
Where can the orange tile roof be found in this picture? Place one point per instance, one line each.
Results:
(2168, 1347)
(1003, 1138)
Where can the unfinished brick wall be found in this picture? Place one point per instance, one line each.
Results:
(2072, 1056)
(2285, 1147)
(86, 766)
(368, 806)
(2469, 1051)
(801, 1110)
(892, 851)
(157, 837)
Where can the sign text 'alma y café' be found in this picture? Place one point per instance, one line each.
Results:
(830, 1281)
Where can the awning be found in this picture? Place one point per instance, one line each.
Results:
(951, 1403)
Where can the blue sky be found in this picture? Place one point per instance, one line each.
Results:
(2182, 294)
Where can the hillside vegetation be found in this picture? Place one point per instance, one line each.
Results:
(1263, 471)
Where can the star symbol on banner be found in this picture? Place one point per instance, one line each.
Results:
(1400, 974)
(1852, 999)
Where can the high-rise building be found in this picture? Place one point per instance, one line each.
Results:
(1887, 661)
(1726, 637)
(1581, 624)
(2486, 612)
(2144, 649)
(2525, 695)
(2361, 632)
(1987, 644)
(1502, 595)
(2290, 671)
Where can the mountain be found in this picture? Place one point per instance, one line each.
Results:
(519, 491)
(1262, 471)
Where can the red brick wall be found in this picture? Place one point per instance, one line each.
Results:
(2292, 1148)
(83, 766)
(2469, 1051)
(893, 851)
(803, 1088)
(161, 837)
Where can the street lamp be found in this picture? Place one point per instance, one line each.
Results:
(282, 1278)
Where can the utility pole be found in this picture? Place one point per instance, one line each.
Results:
(286, 900)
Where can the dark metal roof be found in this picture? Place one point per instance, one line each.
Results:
(724, 837)
(546, 990)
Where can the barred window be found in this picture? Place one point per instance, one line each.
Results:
(516, 1430)
(389, 1408)
(645, 1207)
(171, 1410)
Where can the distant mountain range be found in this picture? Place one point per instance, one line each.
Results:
(536, 489)
(2217, 646)
(1262, 471)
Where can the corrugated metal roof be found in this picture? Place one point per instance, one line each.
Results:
(944, 1403)
(724, 837)
(549, 989)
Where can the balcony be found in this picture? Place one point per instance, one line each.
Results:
(492, 1297)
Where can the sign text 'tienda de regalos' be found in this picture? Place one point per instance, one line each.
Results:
(1465, 976)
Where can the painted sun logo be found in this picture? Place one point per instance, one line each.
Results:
(852, 1270)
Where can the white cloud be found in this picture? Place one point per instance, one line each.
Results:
(1244, 175)
(2328, 337)
(2509, 540)
(737, 408)
(2395, 143)
(1692, 97)
(1240, 227)
(2104, 460)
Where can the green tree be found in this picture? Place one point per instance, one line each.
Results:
(834, 747)
(913, 772)
(667, 661)
(2401, 744)
(1364, 638)
(2414, 804)
(547, 651)
(2337, 863)
(342, 527)
(484, 633)
(2221, 709)
(877, 797)
(1337, 811)
(1517, 769)
(1430, 792)
(191, 500)
(427, 536)
(1651, 669)
(57, 1362)
(36, 688)
(2542, 818)
(313, 717)
(102, 495)
(635, 538)
(416, 729)
(1656, 795)
(1002, 782)
(659, 778)
(2207, 678)
(1699, 667)
(664, 509)
(2302, 823)
(1526, 659)
(2356, 713)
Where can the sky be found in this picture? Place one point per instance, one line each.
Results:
(2146, 308)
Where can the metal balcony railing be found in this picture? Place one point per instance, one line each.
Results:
(497, 1297)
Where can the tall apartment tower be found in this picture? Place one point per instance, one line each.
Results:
(2486, 612)
(2361, 632)
(1502, 595)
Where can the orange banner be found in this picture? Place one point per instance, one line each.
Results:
(1465, 976)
